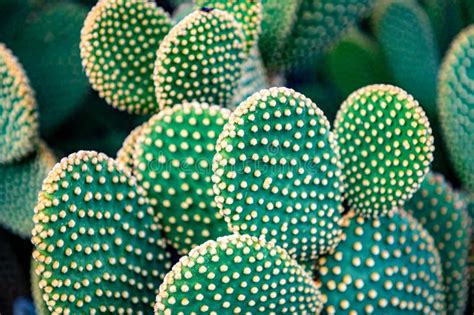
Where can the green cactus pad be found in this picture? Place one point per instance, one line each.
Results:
(40, 305)
(386, 148)
(125, 154)
(98, 244)
(118, 49)
(173, 161)
(246, 12)
(456, 105)
(278, 18)
(238, 274)
(18, 114)
(356, 61)
(443, 213)
(405, 34)
(387, 265)
(200, 60)
(253, 78)
(319, 24)
(277, 173)
(20, 184)
(47, 45)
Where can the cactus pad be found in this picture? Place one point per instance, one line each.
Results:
(443, 213)
(386, 148)
(18, 115)
(98, 244)
(173, 161)
(405, 34)
(200, 60)
(276, 173)
(456, 105)
(118, 49)
(386, 265)
(125, 154)
(238, 274)
(20, 184)
(247, 12)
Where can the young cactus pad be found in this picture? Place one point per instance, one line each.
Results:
(18, 115)
(276, 173)
(98, 244)
(118, 49)
(456, 105)
(386, 148)
(173, 159)
(387, 265)
(200, 59)
(20, 184)
(405, 34)
(238, 274)
(443, 213)
(246, 12)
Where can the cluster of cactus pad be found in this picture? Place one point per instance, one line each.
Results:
(235, 197)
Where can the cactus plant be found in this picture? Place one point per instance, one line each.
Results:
(318, 25)
(125, 154)
(97, 240)
(238, 274)
(456, 105)
(443, 213)
(386, 265)
(277, 173)
(386, 148)
(246, 12)
(172, 161)
(200, 60)
(19, 186)
(55, 73)
(18, 113)
(40, 306)
(119, 41)
(405, 34)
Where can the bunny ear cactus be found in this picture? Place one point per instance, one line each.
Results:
(18, 113)
(456, 105)
(405, 34)
(19, 186)
(97, 241)
(172, 161)
(40, 306)
(119, 41)
(238, 274)
(246, 12)
(277, 173)
(318, 25)
(386, 148)
(443, 213)
(200, 60)
(387, 265)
